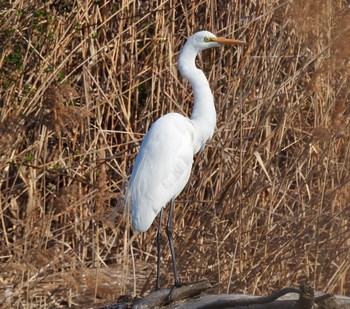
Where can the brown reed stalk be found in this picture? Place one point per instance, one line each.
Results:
(267, 204)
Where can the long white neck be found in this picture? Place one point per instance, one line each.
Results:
(203, 114)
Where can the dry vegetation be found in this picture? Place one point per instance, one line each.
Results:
(268, 203)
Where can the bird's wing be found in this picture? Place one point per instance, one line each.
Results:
(162, 167)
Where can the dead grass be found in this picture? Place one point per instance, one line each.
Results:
(268, 202)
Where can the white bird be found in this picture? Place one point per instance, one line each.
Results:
(163, 164)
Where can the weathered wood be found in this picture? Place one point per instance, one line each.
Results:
(166, 296)
(229, 301)
(188, 297)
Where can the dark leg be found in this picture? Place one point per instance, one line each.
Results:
(159, 241)
(170, 238)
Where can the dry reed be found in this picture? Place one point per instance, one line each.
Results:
(268, 202)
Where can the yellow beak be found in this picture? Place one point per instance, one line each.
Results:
(227, 41)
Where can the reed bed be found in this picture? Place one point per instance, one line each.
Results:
(268, 202)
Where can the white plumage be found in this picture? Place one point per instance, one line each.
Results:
(163, 164)
(161, 169)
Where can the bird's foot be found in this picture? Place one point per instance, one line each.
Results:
(178, 284)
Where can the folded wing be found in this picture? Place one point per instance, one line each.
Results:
(162, 168)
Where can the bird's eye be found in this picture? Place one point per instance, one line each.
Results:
(207, 39)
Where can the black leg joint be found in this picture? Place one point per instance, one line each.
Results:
(159, 237)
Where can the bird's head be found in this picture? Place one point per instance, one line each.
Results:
(204, 39)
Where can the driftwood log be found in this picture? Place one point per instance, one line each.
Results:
(189, 297)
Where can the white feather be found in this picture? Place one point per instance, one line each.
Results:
(164, 163)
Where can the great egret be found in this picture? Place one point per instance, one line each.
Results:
(163, 164)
